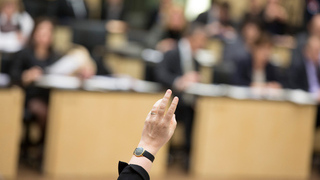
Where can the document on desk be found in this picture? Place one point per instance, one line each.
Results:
(59, 81)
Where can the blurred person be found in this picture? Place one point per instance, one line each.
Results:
(218, 21)
(275, 17)
(242, 46)
(305, 74)
(15, 28)
(312, 7)
(256, 70)
(28, 67)
(164, 37)
(179, 70)
(157, 131)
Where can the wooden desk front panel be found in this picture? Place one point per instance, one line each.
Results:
(89, 132)
(247, 138)
(11, 110)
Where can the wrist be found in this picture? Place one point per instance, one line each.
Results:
(149, 148)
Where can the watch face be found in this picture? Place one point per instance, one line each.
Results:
(139, 151)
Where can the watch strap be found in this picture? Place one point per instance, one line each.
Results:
(148, 155)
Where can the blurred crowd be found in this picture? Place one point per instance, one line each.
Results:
(27, 30)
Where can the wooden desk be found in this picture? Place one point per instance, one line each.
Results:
(89, 132)
(11, 109)
(252, 139)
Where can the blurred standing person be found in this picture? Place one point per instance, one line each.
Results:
(15, 28)
(256, 70)
(305, 74)
(275, 17)
(164, 36)
(29, 65)
(179, 70)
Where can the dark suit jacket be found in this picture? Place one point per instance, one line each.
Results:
(170, 68)
(243, 75)
(298, 77)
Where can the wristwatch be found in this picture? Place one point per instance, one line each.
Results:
(140, 151)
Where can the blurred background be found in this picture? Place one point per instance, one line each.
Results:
(74, 73)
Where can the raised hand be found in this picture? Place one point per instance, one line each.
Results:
(159, 126)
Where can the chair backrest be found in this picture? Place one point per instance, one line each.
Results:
(89, 33)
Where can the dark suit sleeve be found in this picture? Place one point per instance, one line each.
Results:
(168, 69)
(298, 77)
(19, 64)
(242, 73)
(132, 172)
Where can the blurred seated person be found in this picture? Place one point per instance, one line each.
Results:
(241, 47)
(157, 131)
(29, 65)
(179, 70)
(218, 21)
(256, 70)
(68, 10)
(275, 17)
(157, 14)
(164, 36)
(305, 74)
(15, 28)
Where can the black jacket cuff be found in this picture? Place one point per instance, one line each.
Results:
(125, 168)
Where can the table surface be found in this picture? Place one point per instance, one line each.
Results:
(249, 138)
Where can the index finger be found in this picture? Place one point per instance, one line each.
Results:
(172, 109)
